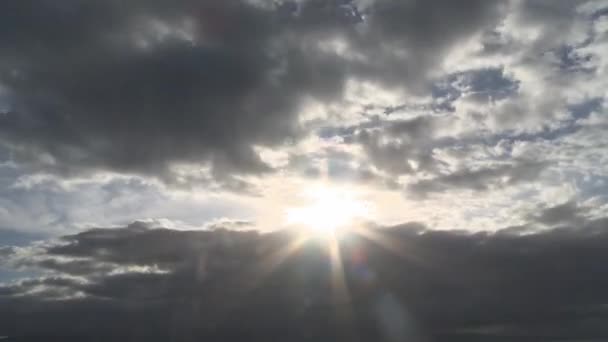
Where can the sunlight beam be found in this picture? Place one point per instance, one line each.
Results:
(399, 248)
(269, 264)
(341, 298)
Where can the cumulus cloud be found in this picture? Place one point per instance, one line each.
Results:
(144, 87)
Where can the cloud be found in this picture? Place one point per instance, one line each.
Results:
(153, 98)
(399, 146)
(479, 85)
(482, 115)
(90, 89)
(566, 214)
(445, 285)
(150, 86)
(481, 179)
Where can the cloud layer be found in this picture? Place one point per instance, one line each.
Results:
(480, 100)
(403, 282)
(145, 87)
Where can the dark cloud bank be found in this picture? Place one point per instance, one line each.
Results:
(406, 283)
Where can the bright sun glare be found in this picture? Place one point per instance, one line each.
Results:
(328, 209)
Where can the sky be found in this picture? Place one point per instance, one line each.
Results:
(354, 169)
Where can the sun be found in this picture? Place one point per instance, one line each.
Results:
(327, 210)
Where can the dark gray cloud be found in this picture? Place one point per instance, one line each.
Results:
(397, 146)
(140, 87)
(520, 171)
(337, 166)
(408, 146)
(221, 284)
(87, 99)
(566, 214)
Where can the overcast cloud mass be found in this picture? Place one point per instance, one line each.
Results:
(152, 152)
